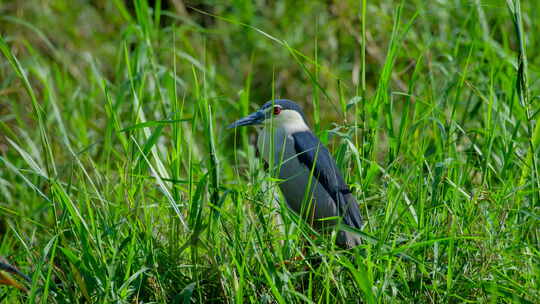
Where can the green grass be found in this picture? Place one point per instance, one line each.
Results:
(119, 182)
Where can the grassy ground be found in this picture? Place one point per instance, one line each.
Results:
(120, 184)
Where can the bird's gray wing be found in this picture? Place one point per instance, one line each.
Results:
(313, 154)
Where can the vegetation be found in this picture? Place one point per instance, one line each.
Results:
(119, 182)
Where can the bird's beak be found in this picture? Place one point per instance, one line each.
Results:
(254, 118)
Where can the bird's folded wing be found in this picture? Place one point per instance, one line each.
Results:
(314, 155)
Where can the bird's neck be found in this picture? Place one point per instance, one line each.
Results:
(273, 136)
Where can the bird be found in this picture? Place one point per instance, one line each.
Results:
(309, 178)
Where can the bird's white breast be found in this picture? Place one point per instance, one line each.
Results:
(274, 145)
(282, 127)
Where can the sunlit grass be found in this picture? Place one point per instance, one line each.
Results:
(120, 183)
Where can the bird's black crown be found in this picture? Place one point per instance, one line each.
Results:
(285, 104)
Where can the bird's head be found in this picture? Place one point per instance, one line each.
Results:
(278, 112)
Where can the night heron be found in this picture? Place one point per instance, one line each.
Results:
(309, 177)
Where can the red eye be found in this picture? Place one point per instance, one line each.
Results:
(277, 110)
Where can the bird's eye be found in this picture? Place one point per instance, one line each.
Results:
(277, 110)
